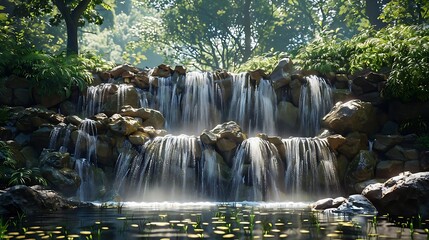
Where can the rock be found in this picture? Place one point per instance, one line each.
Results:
(402, 112)
(119, 70)
(162, 71)
(295, 89)
(287, 115)
(49, 100)
(181, 70)
(412, 166)
(14, 81)
(40, 138)
(208, 137)
(342, 95)
(364, 85)
(22, 139)
(225, 145)
(22, 97)
(341, 165)
(360, 186)
(68, 108)
(326, 203)
(335, 141)
(383, 143)
(105, 149)
(388, 169)
(124, 126)
(141, 80)
(32, 200)
(6, 97)
(150, 117)
(153, 132)
(390, 128)
(361, 168)
(354, 143)
(139, 138)
(404, 195)
(55, 159)
(257, 75)
(355, 204)
(400, 153)
(31, 156)
(351, 116)
(64, 180)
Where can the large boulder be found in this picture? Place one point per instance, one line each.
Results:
(355, 204)
(150, 117)
(361, 168)
(404, 195)
(351, 116)
(32, 200)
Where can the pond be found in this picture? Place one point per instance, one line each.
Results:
(208, 220)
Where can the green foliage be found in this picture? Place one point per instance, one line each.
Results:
(417, 125)
(10, 175)
(54, 74)
(4, 115)
(423, 140)
(326, 53)
(402, 51)
(406, 12)
(266, 62)
(26, 176)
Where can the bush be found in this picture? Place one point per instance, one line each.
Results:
(10, 175)
(266, 62)
(401, 51)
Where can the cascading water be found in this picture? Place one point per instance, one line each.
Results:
(168, 169)
(253, 108)
(188, 103)
(122, 169)
(85, 152)
(96, 95)
(212, 184)
(310, 168)
(315, 101)
(258, 171)
(53, 137)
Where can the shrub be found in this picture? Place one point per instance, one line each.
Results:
(266, 62)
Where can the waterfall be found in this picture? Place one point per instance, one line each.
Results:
(96, 96)
(258, 171)
(309, 167)
(85, 170)
(199, 109)
(211, 184)
(188, 103)
(169, 102)
(85, 152)
(315, 101)
(53, 137)
(168, 169)
(122, 167)
(253, 108)
(86, 141)
(66, 140)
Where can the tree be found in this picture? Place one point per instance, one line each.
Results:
(74, 13)
(214, 34)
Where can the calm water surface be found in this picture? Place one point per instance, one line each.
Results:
(244, 220)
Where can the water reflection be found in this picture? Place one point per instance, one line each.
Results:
(210, 220)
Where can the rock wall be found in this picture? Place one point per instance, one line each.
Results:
(362, 129)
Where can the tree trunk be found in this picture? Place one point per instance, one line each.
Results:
(72, 43)
(373, 9)
(247, 31)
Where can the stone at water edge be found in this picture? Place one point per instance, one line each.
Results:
(362, 168)
(355, 204)
(326, 203)
(32, 200)
(404, 195)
